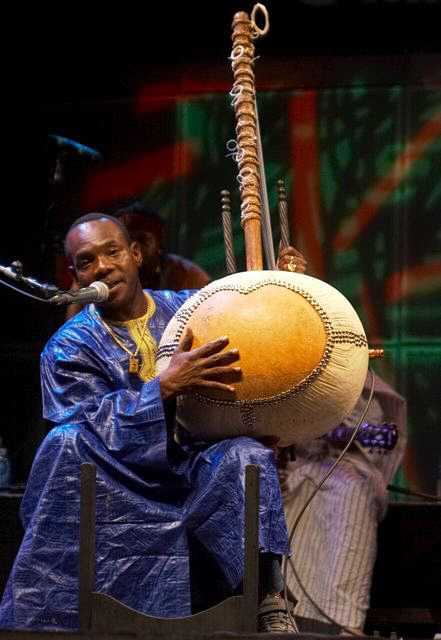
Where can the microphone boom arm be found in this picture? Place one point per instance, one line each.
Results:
(97, 292)
(15, 272)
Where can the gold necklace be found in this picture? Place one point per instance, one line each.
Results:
(133, 359)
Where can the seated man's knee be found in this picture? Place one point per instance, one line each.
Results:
(63, 433)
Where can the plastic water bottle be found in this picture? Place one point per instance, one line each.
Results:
(5, 469)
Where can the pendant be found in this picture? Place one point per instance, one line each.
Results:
(133, 364)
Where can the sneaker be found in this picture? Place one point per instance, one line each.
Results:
(272, 616)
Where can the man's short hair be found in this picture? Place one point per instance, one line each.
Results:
(88, 217)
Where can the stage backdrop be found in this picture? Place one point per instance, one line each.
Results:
(361, 164)
(359, 152)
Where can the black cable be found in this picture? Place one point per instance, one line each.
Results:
(305, 506)
(25, 293)
(411, 492)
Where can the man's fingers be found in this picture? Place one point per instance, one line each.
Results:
(223, 374)
(290, 259)
(222, 358)
(210, 348)
(298, 263)
(296, 259)
(214, 384)
(290, 251)
(187, 341)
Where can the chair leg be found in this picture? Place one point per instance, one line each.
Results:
(87, 544)
(251, 536)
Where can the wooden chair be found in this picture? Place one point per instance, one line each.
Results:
(99, 612)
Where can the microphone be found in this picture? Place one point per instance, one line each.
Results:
(97, 292)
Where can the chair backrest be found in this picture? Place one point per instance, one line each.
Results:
(100, 612)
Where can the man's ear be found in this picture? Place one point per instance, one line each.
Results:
(136, 252)
(73, 273)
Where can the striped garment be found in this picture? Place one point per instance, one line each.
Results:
(334, 546)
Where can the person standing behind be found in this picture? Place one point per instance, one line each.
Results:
(159, 270)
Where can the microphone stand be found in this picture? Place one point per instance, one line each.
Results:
(44, 292)
(96, 292)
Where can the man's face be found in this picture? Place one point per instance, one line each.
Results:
(100, 251)
(150, 248)
(148, 236)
